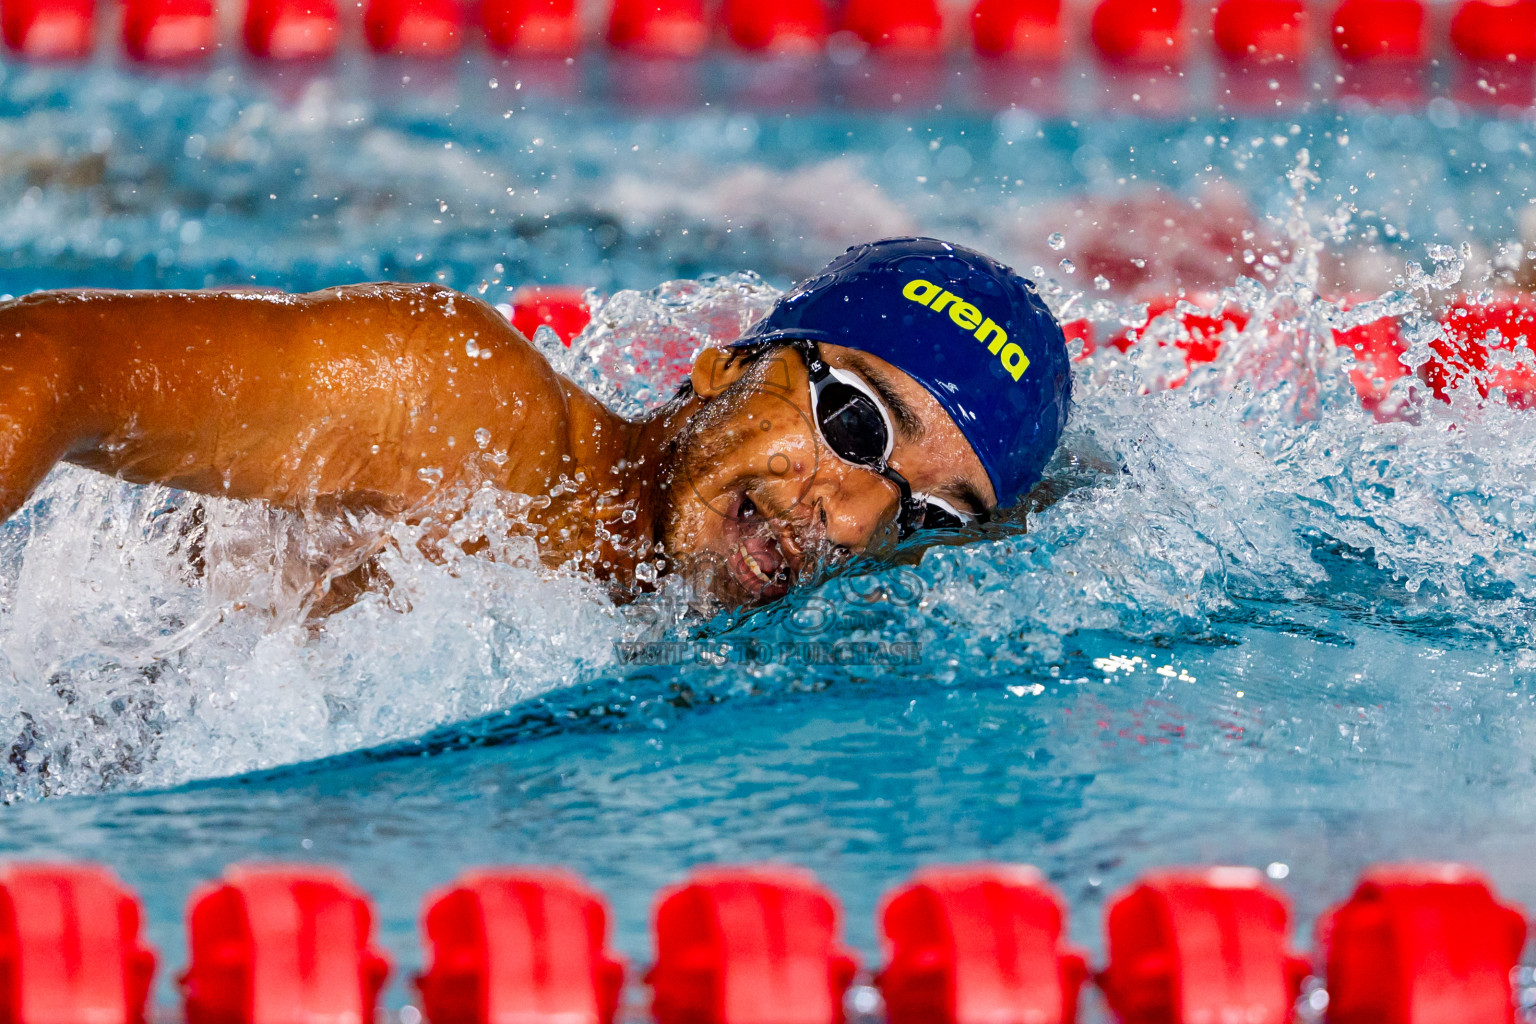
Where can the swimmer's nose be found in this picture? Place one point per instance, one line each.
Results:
(857, 507)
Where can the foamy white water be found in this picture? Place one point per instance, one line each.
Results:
(149, 638)
(122, 665)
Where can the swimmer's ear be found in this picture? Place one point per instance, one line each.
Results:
(716, 369)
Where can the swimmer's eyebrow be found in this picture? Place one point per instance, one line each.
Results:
(908, 423)
(969, 495)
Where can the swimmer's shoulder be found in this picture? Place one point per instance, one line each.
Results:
(460, 333)
(424, 305)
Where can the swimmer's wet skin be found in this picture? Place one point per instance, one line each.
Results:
(912, 384)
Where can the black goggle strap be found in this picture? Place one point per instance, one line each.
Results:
(911, 512)
(917, 510)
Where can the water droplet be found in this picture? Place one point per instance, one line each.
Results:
(1057, 241)
(865, 1000)
(628, 515)
(472, 348)
(1101, 283)
(482, 437)
(430, 474)
(1068, 266)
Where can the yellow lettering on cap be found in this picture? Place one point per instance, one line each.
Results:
(997, 334)
(1014, 360)
(920, 291)
(966, 315)
(970, 318)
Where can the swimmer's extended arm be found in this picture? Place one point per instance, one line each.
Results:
(373, 394)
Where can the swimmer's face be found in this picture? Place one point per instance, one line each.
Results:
(759, 502)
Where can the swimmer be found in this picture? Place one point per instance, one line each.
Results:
(912, 385)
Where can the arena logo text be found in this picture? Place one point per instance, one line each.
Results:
(970, 318)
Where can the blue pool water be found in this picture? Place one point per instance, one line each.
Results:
(1257, 627)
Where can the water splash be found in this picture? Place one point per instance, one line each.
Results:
(640, 345)
(148, 638)
(1262, 479)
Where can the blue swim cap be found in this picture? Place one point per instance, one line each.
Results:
(967, 328)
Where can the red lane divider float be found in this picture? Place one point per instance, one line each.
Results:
(1414, 944)
(1261, 30)
(1202, 330)
(562, 308)
(530, 28)
(1486, 34)
(414, 28)
(1145, 32)
(1471, 351)
(69, 947)
(659, 28)
(49, 29)
(292, 29)
(170, 31)
(749, 946)
(1375, 30)
(275, 945)
(1208, 945)
(1378, 348)
(902, 26)
(1193, 326)
(519, 945)
(1421, 944)
(791, 26)
(1496, 31)
(1019, 29)
(978, 944)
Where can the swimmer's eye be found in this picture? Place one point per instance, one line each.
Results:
(748, 509)
(927, 512)
(936, 518)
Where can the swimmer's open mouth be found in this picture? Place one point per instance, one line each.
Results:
(764, 559)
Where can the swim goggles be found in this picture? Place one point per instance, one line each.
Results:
(857, 426)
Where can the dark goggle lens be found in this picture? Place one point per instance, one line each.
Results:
(917, 514)
(851, 424)
(936, 518)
